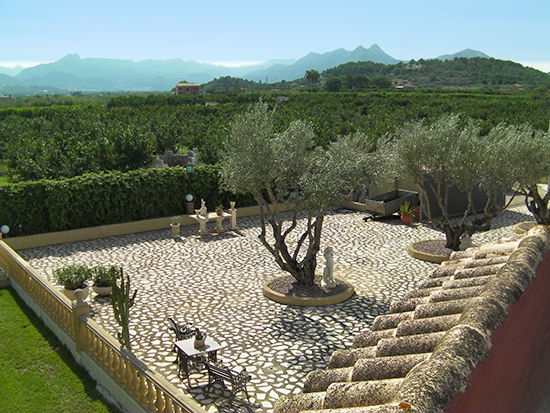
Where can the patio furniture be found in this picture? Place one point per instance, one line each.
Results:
(221, 373)
(211, 216)
(187, 351)
(181, 331)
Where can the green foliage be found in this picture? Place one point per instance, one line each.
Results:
(406, 208)
(103, 276)
(526, 152)
(454, 154)
(109, 198)
(312, 76)
(73, 277)
(122, 302)
(287, 168)
(433, 73)
(333, 84)
(63, 142)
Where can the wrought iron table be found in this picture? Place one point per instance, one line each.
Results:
(186, 350)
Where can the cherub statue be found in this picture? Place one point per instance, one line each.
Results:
(203, 207)
(328, 279)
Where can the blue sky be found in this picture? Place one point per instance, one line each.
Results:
(239, 31)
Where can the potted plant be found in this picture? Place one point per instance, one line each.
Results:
(219, 209)
(417, 213)
(175, 225)
(104, 278)
(199, 338)
(72, 278)
(406, 211)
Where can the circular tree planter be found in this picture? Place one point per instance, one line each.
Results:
(523, 227)
(299, 296)
(430, 250)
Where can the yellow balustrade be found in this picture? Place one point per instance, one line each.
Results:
(146, 387)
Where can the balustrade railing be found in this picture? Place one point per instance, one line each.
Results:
(146, 387)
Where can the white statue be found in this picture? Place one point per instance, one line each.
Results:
(328, 279)
(203, 207)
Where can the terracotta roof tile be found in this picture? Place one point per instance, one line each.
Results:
(422, 352)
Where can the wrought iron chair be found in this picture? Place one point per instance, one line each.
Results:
(184, 332)
(217, 372)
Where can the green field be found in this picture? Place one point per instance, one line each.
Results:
(38, 373)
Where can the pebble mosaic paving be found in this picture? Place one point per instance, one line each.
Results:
(215, 283)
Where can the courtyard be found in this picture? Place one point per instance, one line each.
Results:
(215, 283)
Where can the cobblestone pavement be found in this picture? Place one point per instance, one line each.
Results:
(215, 283)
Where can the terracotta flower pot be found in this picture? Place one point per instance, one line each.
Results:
(406, 219)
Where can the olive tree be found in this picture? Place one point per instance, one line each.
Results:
(520, 155)
(287, 170)
(453, 155)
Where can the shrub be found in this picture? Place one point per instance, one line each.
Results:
(105, 276)
(109, 198)
(72, 277)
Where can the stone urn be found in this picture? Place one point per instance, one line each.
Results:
(102, 291)
(175, 228)
(70, 294)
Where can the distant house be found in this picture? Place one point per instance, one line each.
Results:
(402, 84)
(280, 99)
(185, 88)
(211, 103)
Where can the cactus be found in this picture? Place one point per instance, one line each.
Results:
(121, 301)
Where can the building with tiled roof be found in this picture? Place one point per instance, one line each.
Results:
(186, 88)
(472, 338)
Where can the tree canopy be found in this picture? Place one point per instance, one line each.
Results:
(287, 169)
(452, 154)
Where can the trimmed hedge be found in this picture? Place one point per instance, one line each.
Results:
(109, 198)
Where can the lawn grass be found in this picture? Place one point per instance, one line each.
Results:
(37, 372)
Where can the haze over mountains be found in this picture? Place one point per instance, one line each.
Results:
(96, 74)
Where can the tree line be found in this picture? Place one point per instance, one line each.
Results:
(65, 141)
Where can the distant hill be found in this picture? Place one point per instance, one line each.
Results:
(455, 72)
(96, 74)
(469, 53)
(8, 80)
(72, 72)
(321, 62)
(11, 71)
(113, 74)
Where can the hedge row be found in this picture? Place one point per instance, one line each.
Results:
(109, 198)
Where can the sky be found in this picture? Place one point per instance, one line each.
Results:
(242, 32)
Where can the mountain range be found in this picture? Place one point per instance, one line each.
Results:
(97, 74)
